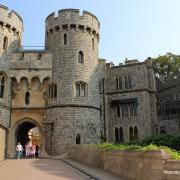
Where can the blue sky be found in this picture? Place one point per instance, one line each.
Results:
(135, 29)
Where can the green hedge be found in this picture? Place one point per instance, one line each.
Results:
(163, 140)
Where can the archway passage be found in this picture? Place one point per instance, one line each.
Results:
(27, 132)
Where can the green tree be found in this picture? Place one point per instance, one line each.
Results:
(166, 65)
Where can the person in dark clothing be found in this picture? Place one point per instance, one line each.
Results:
(37, 151)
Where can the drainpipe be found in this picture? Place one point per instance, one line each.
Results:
(104, 106)
(10, 104)
(10, 110)
(52, 128)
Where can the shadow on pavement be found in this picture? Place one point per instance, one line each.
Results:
(57, 168)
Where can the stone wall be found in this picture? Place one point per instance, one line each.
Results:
(142, 89)
(67, 124)
(2, 143)
(129, 165)
(171, 170)
(70, 113)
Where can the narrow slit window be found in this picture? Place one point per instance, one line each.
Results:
(81, 57)
(5, 43)
(39, 56)
(78, 139)
(2, 81)
(116, 135)
(93, 45)
(27, 98)
(65, 39)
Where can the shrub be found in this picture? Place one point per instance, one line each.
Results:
(163, 140)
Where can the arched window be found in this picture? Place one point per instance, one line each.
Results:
(5, 43)
(65, 39)
(131, 136)
(27, 98)
(2, 86)
(121, 135)
(81, 57)
(116, 135)
(93, 45)
(135, 133)
(78, 139)
(80, 89)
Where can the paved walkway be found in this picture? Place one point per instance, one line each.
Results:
(97, 173)
(47, 169)
(29, 169)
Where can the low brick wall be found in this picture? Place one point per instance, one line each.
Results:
(171, 170)
(130, 165)
(2, 143)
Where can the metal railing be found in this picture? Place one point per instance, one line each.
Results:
(32, 48)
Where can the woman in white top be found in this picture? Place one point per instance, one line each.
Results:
(19, 150)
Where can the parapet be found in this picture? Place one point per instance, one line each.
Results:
(72, 18)
(31, 60)
(10, 19)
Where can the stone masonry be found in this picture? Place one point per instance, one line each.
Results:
(142, 91)
(72, 115)
(67, 92)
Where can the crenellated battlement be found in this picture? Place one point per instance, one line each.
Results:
(11, 20)
(71, 18)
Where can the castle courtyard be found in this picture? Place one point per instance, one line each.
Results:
(86, 92)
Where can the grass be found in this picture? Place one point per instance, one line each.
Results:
(173, 153)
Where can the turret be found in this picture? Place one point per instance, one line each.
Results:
(73, 104)
(11, 28)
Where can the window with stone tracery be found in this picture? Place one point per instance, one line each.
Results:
(52, 91)
(81, 89)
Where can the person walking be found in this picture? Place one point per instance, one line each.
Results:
(33, 150)
(37, 151)
(28, 150)
(19, 150)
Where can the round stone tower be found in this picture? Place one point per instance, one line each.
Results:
(73, 114)
(11, 28)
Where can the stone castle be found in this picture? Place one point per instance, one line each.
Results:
(69, 93)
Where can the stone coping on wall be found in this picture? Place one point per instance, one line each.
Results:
(129, 164)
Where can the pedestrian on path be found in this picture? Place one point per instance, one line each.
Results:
(19, 150)
(33, 150)
(28, 150)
